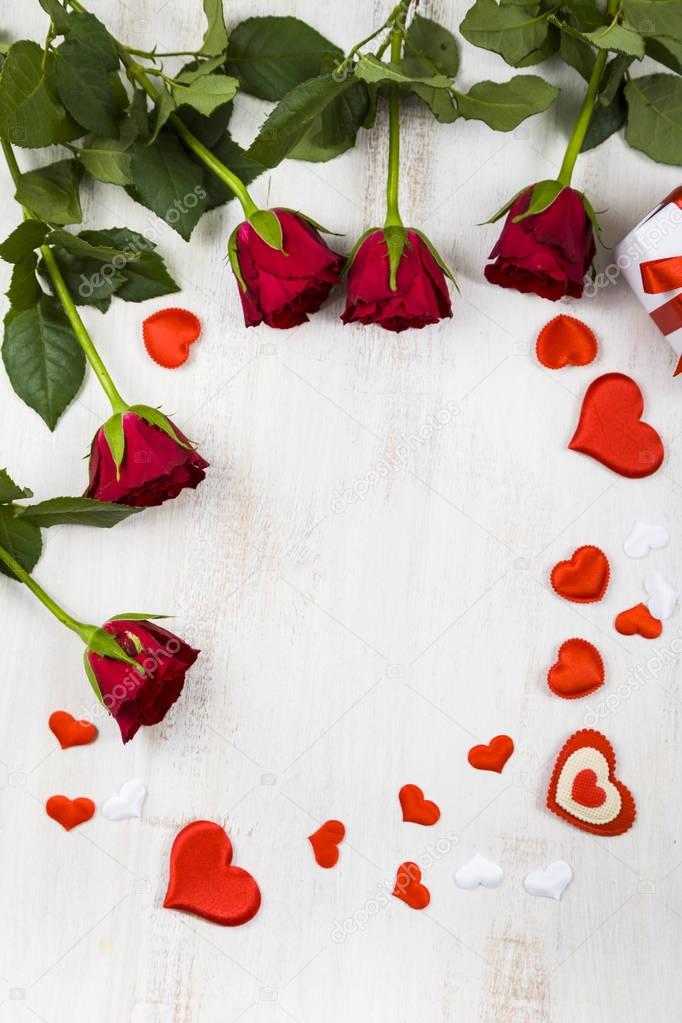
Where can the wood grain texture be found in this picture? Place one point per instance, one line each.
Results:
(370, 596)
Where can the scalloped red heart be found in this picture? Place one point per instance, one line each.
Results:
(577, 671)
(638, 621)
(565, 341)
(584, 578)
(168, 334)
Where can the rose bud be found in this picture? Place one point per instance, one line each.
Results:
(140, 458)
(548, 252)
(396, 279)
(139, 689)
(283, 266)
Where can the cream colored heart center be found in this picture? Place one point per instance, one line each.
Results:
(589, 759)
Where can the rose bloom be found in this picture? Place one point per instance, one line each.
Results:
(547, 253)
(421, 293)
(155, 468)
(283, 286)
(135, 699)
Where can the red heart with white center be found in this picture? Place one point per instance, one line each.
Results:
(584, 789)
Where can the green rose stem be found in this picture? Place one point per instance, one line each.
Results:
(393, 218)
(62, 291)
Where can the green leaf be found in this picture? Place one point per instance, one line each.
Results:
(544, 194)
(116, 439)
(209, 130)
(30, 112)
(207, 93)
(666, 51)
(215, 37)
(579, 54)
(335, 129)
(155, 417)
(11, 491)
(103, 643)
(44, 362)
(656, 18)
(619, 37)
(429, 47)
(606, 120)
(508, 29)
(612, 79)
(83, 245)
(51, 192)
(59, 17)
(145, 275)
(272, 55)
(372, 70)
(77, 511)
(24, 289)
(82, 66)
(267, 226)
(168, 182)
(108, 159)
(503, 106)
(23, 240)
(20, 539)
(90, 282)
(655, 117)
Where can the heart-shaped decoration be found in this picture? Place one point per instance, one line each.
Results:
(127, 803)
(479, 872)
(167, 335)
(584, 577)
(202, 880)
(69, 812)
(638, 621)
(408, 886)
(611, 431)
(662, 595)
(416, 809)
(493, 756)
(551, 883)
(584, 789)
(645, 537)
(325, 842)
(70, 732)
(565, 341)
(577, 671)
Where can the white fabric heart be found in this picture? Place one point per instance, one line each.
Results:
(591, 759)
(662, 595)
(645, 537)
(128, 802)
(551, 882)
(479, 871)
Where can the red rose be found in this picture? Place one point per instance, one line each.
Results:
(155, 460)
(131, 697)
(280, 286)
(547, 253)
(419, 294)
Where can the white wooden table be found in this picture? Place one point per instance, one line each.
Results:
(350, 647)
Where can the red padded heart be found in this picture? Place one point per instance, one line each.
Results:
(492, 757)
(416, 809)
(69, 812)
(168, 334)
(585, 789)
(70, 732)
(325, 843)
(203, 882)
(610, 428)
(408, 887)
(577, 671)
(565, 341)
(638, 621)
(584, 577)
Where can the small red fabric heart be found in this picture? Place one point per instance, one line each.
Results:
(325, 843)
(202, 880)
(638, 621)
(611, 431)
(492, 757)
(408, 888)
(70, 732)
(577, 671)
(416, 809)
(584, 577)
(585, 789)
(565, 341)
(167, 335)
(582, 743)
(69, 812)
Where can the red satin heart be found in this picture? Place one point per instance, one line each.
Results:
(585, 789)
(611, 431)
(577, 671)
(584, 739)
(408, 888)
(70, 732)
(492, 757)
(565, 341)
(416, 809)
(203, 882)
(638, 621)
(69, 812)
(325, 843)
(167, 335)
(584, 577)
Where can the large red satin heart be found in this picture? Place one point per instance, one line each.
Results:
(577, 671)
(325, 843)
(565, 341)
(70, 732)
(202, 880)
(416, 809)
(638, 621)
(584, 789)
(611, 431)
(408, 887)
(167, 335)
(584, 577)
(69, 812)
(493, 756)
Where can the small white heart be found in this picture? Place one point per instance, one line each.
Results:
(479, 871)
(645, 537)
(128, 802)
(662, 595)
(550, 882)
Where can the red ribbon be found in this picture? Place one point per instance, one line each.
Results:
(665, 274)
